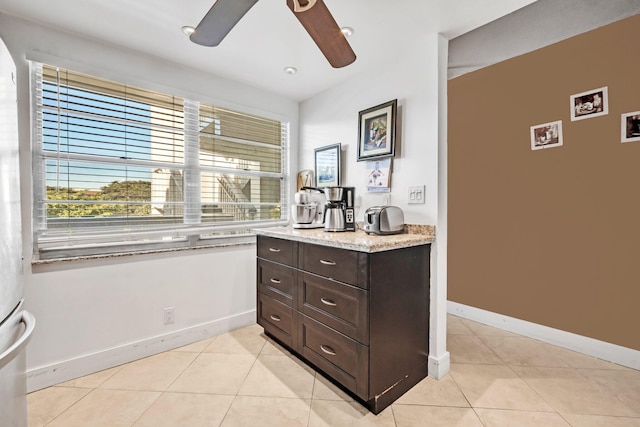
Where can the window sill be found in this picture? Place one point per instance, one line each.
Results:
(245, 241)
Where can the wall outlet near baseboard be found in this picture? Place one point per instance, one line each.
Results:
(169, 316)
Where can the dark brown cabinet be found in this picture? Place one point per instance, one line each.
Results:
(361, 319)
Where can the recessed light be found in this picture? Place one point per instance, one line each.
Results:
(347, 31)
(290, 70)
(188, 30)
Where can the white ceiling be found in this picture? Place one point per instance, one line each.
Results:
(268, 38)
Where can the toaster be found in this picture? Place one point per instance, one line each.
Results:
(383, 220)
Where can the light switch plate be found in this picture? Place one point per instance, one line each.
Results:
(416, 194)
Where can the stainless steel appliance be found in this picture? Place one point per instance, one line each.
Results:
(383, 220)
(16, 324)
(339, 212)
(308, 209)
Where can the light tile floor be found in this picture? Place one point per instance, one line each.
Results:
(242, 378)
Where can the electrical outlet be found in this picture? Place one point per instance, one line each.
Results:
(416, 194)
(169, 316)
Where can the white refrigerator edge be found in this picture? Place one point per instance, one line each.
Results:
(16, 324)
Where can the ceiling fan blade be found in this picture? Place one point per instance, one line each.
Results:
(326, 33)
(219, 20)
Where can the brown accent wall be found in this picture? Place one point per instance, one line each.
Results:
(549, 236)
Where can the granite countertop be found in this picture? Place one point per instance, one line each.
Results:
(413, 235)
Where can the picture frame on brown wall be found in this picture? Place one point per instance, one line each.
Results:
(630, 127)
(546, 135)
(589, 104)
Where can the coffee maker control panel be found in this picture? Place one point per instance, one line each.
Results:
(349, 215)
(349, 211)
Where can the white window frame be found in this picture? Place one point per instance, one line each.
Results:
(192, 233)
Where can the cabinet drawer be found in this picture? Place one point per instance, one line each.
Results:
(277, 281)
(277, 319)
(340, 306)
(338, 356)
(278, 250)
(338, 264)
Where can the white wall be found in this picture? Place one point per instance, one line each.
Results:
(332, 117)
(414, 76)
(95, 314)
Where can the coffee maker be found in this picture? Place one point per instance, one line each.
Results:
(339, 212)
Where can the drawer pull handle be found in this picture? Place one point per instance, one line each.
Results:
(275, 318)
(276, 281)
(274, 249)
(328, 302)
(327, 350)
(325, 262)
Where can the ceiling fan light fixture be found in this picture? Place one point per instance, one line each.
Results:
(298, 7)
(290, 70)
(188, 30)
(347, 31)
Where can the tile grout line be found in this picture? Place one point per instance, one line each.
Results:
(313, 389)
(393, 416)
(535, 392)
(507, 365)
(70, 406)
(473, 333)
(460, 389)
(162, 393)
(597, 386)
(147, 409)
(604, 389)
(200, 353)
(478, 416)
(235, 397)
(565, 419)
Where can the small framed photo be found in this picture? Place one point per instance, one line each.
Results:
(630, 127)
(592, 103)
(377, 131)
(546, 135)
(327, 165)
(379, 176)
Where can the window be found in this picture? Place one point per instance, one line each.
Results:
(119, 168)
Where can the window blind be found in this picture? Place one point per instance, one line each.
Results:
(120, 168)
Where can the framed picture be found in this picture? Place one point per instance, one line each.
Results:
(592, 103)
(327, 165)
(377, 131)
(630, 127)
(379, 176)
(546, 135)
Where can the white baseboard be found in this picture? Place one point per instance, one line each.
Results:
(439, 367)
(45, 376)
(585, 345)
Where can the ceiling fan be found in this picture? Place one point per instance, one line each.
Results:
(312, 14)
